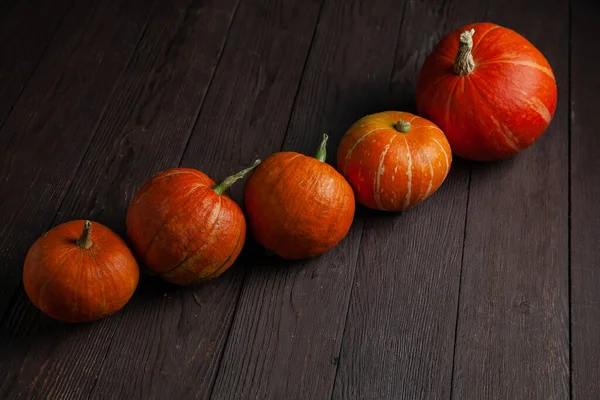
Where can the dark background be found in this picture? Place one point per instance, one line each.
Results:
(489, 289)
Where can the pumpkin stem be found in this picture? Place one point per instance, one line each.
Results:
(463, 63)
(230, 180)
(322, 150)
(85, 240)
(402, 126)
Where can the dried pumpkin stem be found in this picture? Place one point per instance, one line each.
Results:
(402, 126)
(463, 63)
(322, 150)
(85, 240)
(230, 180)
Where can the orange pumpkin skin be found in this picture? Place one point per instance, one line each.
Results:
(499, 108)
(75, 284)
(182, 229)
(297, 206)
(390, 170)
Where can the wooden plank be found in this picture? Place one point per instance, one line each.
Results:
(6, 7)
(145, 129)
(168, 341)
(286, 338)
(55, 120)
(585, 192)
(513, 329)
(26, 30)
(399, 336)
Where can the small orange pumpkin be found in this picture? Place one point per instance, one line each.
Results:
(394, 160)
(298, 206)
(74, 273)
(184, 227)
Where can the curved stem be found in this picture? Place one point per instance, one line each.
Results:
(463, 63)
(230, 180)
(85, 240)
(322, 150)
(402, 126)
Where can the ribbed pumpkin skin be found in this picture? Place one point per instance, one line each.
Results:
(182, 229)
(390, 170)
(501, 107)
(72, 284)
(297, 206)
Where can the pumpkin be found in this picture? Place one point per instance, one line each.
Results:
(394, 160)
(184, 227)
(80, 272)
(489, 89)
(298, 206)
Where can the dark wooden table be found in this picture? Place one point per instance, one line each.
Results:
(489, 290)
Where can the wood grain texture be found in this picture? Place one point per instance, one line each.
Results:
(513, 324)
(399, 335)
(55, 120)
(287, 332)
(585, 192)
(213, 85)
(26, 30)
(180, 332)
(145, 129)
(6, 7)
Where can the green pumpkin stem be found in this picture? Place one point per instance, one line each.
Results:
(230, 180)
(402, 126)
(322, 150)
(464, 63)
(85, 240)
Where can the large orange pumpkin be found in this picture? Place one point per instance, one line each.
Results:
(79, 272)
(298, 206)
(394, 160)
(184, 227)
(489, 89)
